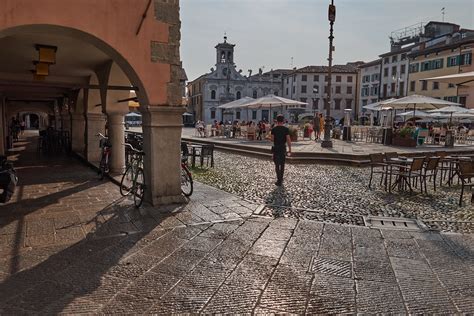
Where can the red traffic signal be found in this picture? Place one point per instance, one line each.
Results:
(332, 13)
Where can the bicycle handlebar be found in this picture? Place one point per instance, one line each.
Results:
(132, 148)
(100, 135)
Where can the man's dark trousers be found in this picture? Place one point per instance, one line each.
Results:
(279, 160)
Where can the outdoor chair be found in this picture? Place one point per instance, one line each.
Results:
(408, 174)
(207, 153)
(390, 155)
(251, 133)
(184, 152)
(422, 137)
(444, 166)
(470, 136)
(377, 166)
(466, 175)
(460, 137)
(430, 171)
(243, 131)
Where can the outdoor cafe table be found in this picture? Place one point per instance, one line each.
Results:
(398, 162)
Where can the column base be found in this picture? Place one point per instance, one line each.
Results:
(165, 200)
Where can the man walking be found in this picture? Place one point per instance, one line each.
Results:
(280, 137)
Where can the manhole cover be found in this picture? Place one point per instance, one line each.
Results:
(393, 223)
(332, 266)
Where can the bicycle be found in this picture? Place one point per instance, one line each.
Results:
(133, 179)
(105, 145)
(186, 177)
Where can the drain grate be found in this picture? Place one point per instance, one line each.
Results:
(393, 223)
(331, 266)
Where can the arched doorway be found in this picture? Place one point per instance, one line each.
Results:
(86, 65)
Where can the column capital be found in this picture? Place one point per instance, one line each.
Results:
(162, 116)
(96, 116)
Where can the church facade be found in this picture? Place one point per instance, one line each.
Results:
(225, 84)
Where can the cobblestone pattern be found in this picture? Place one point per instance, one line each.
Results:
(336, 194)
(198, 259)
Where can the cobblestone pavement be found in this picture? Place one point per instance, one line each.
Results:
(69, 244)
(337, 193)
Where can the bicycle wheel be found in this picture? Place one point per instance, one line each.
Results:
(139, 187)
(186, 182)
(126, 184)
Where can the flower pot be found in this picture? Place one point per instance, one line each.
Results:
(404, 142)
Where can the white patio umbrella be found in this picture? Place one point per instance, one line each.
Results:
(237, 104)
(416, 113)
(271, 100)
(465, 79)
(377, 106)
(450, 111)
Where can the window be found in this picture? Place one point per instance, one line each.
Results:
(453, 61)
(213, 94)
(365, 91)
(375, 77)
(286, 91)
(338, 78)
(424, 85)
(462, 100)
(401, 88)
(325, 89)
(412, 85)
(432, 64)
(287, 79)
(366, 79)
(386, 60)
(237, 115)
(376, 90)
(466, 59)
(276, 76)
(349, 90)
(337, 104)
(303, 100)
(348, 103)
(404, 56)
(304, 78)
(303, 89)
(394, 59)
(435, 85)
(276, 92)
(349, 78)
(451, 85)
(384, 90)
(373, 100)
(213, 113)
(392, 88)
(451, 99)
(316, 78)
(315, 104)
(315, 89)
(254, 94)
(254, 115)
(414, 67)
(394, 70)
(364, 102)
(403, 69)
(338, 89)
(238, 95)
(326, 78)
(385, 72)
(293, 90)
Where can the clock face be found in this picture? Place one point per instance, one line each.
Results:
(224, 71)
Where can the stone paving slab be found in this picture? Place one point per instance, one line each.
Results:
(101, 261)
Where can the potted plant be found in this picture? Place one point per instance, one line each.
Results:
(293, 134)
(404, 137)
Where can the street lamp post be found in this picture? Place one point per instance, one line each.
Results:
(327, 143)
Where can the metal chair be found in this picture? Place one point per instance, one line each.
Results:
(207, 152)
(430, 171)
(466, 175)
(377, 166)
(408, 173)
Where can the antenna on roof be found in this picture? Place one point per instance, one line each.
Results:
(291, 64)
(225, 37)
(443, 12)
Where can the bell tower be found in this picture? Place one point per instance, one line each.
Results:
(225, 53)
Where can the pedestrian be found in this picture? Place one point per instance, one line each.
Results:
(321, 124)
(280, 137)
(22, 127)
(316, 127)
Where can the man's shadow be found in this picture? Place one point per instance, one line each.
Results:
(279, 200)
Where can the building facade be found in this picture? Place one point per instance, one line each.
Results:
(446, 55)
(369, 83)
(309, 84)
(225, 84)
(394, 72)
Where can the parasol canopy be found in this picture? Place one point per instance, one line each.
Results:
(465, 79)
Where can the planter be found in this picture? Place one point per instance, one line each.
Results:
(404, 142)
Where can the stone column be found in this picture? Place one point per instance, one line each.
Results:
(95, 124)
(115, 123)
(162, 127)
(78, 133)
(65, 121)
(3, 127)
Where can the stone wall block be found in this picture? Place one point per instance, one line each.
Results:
(164, 53)
(167, 11)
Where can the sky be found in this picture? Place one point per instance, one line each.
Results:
(268, 33)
